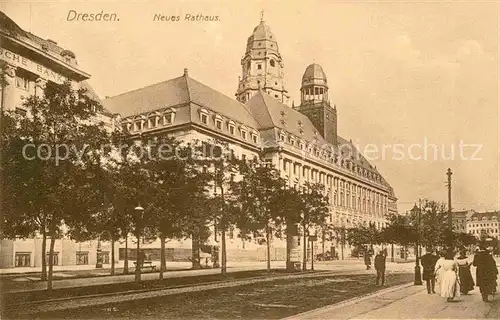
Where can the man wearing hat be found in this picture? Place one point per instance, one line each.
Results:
(486, 272)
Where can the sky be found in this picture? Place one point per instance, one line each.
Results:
(406, 77)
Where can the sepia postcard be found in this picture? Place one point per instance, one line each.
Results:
(217, 159)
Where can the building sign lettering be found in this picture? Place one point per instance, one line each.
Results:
(31, 66)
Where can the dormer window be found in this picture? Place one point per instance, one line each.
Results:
(169, 116)
(152, 122)
(231, 125)
(254, 138)
(244, 135)
(138, 125)
(218, 122)
(204, 116)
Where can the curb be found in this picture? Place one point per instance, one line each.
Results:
(348, 302)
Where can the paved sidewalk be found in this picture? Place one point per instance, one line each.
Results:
(408, 302)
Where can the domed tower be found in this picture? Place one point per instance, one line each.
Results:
(262, 66)
(315, 103)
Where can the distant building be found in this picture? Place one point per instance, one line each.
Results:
(484, 224)
(459, 220)
(27, 63)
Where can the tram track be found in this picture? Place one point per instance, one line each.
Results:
(46, 305)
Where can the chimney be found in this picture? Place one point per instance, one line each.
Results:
(185, 72)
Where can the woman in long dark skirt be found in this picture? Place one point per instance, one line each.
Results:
(466, 281)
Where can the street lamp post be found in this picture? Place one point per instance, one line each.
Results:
(418, 274)
(98, 264)
(139, 211)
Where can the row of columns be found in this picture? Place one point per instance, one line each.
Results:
(341, 190)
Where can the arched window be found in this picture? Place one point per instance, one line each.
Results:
(271, 62)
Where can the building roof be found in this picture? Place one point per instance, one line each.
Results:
(271, 113)
(263, 32)
(176, 92)
(42, 46)
(314, 74)
(487, 215)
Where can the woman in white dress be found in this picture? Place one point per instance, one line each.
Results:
(450, 285)
(438, 271)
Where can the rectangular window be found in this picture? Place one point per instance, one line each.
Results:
(55, 258)
(105, 257)
(204, 118)
(218, 124)
(259, 66)
(168, 118)
(82, 257)
(23, 259)
(152, 122)
(244, 135)
(231, 129)
(138, 125)
(22, 83)
(254, 138)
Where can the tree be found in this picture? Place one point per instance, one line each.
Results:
(53, 145)
(179, 180)
(313, 209)
(257, 193)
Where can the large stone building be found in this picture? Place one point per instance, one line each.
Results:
(484, 224)
(27, 63)
(302, 141)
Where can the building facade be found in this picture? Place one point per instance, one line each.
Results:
(484, 224)
(301, 141)
(27, 63)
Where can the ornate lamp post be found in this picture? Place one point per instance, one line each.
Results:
(139, 215)
(418, 274)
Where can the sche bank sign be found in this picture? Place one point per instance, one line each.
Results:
(27, 64)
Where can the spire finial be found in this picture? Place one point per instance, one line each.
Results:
(262, 16)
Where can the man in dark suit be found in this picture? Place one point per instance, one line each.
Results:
(380, 267)
(428, 262)
(486, 272)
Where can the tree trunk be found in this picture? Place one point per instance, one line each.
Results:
(112, 257)
(195, 252)
(138, 261)
(268, 247)
(163, 263)
(291, 245)
(223, 266)
(323, 238)
(304, 246)
(44, 256)
(125, 257)
(51, 267)
(392, 252)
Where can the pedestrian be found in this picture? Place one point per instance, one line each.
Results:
(438, 268)
(368, 261)
(466, 281)
(486, 272)
(428, 262)
(450, 285)
(379, 262)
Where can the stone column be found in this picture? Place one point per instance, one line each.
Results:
(40, 87)
(8, 77)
